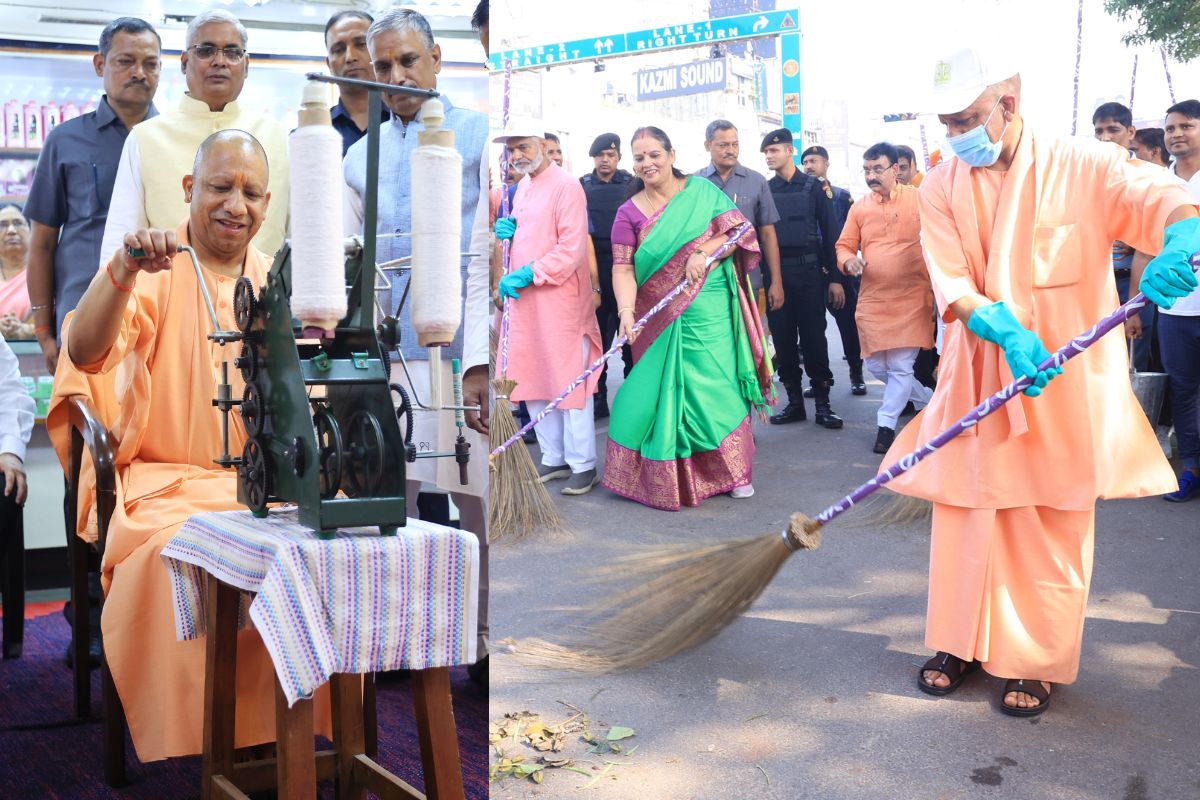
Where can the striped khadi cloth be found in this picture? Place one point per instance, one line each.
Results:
(356, 603)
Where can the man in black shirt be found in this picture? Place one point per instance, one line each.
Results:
(347, 57)
(606, 188)
(807, 230)
(843, 304)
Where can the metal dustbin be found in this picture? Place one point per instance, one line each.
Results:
(1149, 388)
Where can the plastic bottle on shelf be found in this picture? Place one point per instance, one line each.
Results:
(88, 107)
(51, 117)
(33, 124)
(69, 111)
(14, 125)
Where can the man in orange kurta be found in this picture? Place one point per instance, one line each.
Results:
(137, 349)
(895, 301)
(552, 334)
(1017, 231)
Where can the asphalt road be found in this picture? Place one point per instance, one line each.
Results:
(812, 693)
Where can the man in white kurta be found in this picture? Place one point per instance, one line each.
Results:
(147, 192)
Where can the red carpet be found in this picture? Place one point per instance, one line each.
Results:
(46, 754)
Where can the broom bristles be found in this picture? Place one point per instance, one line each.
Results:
(680, 597)
(889, 508)
(518, 504)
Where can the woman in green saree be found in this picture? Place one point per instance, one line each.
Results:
(680, 425)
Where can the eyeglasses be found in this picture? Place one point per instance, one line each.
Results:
(876, 171)
(15, 224)
(724, 145)
(206, 52)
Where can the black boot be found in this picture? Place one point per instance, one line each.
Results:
(793, 411)
(857, 385)
(825, 416)
(810, 393)
(883, 439)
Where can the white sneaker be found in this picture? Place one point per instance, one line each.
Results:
(742, 492)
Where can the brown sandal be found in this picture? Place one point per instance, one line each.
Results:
(953, 667)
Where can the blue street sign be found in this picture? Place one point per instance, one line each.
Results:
(670, 37)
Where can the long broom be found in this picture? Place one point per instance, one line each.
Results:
(518, 503)
(682, 596)
(619, 342)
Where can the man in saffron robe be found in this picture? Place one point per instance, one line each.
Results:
(1017, 231)
(137, 346)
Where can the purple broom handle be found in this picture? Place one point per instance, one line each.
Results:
(619, 341)
(504, 209)
(1064, 354)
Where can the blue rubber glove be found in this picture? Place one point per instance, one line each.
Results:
(1022, 348)
(517, 279)
(506, 227)
(1169, 275)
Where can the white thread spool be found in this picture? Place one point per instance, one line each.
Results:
(436, 192)
(318, 260)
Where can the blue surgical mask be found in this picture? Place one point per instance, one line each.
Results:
(975, 147)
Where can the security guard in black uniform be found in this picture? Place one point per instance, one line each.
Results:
(606, 188)
(808, 265)
(815, 161)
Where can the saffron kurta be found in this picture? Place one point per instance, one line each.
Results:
(895, 299)
(1014, 496)
(554, 314)
(155, 390)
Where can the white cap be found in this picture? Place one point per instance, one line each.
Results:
(521, 129)
(961, 76)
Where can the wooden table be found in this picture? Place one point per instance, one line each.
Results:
(296, 768)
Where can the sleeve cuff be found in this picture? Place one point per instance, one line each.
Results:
(12, 444)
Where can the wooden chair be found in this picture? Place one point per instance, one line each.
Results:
(88, 431)
(12, 574)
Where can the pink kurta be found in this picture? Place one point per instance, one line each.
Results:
(554, 314)
(895, 301)
(154, 390)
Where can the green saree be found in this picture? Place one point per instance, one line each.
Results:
(680, 425)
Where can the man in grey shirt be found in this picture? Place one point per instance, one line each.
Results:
(68, 202)
(749, 192)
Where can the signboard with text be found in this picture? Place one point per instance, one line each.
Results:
(688, 34)
(681, 79)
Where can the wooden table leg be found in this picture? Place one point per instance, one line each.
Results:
(349, 740)
(220, 688)
(439, 739)
(295, 759)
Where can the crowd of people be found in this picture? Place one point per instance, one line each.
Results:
(995, 253)
(814, 250)
(128, 330)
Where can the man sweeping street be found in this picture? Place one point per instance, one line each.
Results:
(1017, 231)
(553, 334)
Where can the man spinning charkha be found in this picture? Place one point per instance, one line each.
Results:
(137, 346)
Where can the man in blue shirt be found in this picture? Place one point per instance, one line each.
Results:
(347, 57)
(404, 54)
(73, 182)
